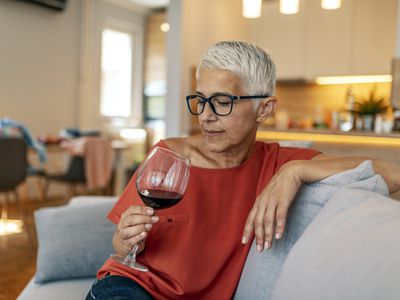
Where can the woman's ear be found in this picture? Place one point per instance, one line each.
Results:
(266, 108)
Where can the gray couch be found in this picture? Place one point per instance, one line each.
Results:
(341, 242)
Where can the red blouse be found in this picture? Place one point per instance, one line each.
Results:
(195, 250)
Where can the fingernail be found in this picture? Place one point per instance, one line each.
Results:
(149, 211)
(148, 226)
(143, 233)
(155, 218)
(259, 248)
(277, 235)
(266, 245)
(244, 240)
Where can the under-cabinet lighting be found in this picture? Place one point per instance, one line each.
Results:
(353, 79)
(342, 138)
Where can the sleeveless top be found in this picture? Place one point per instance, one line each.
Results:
(194, 251)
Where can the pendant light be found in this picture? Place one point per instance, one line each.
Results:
(252, 8)
(289, 7)
(331, 4)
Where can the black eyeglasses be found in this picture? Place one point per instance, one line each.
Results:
(220, 104)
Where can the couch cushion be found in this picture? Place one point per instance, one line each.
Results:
(262, 269)
(91, 200)
(73, 289)
(350, 251)
(74, 240)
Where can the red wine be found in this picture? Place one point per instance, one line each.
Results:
(159, 199)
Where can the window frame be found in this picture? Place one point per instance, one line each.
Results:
(135, 117)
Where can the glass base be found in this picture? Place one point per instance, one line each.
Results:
(129, 262)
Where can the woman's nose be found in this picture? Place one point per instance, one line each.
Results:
(208, 113)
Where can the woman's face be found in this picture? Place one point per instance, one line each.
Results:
(226, 133)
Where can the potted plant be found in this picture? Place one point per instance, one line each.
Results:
(369, 107)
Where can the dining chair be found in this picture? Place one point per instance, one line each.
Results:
(73, 176)
(90, 166)
(13, 168)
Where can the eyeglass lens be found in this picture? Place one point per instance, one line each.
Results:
(222, 104)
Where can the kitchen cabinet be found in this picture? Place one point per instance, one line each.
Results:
(357, 39)
(327, 39)
(374, 36)
(282, 37)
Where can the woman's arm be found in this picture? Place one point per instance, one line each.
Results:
(332, 165)
(271, 206)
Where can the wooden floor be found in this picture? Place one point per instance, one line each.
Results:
(18, 251)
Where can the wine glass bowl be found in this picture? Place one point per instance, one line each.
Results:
(161, 182)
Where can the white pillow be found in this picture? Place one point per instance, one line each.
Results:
(261, 270)
(350, 251)
(74, 240)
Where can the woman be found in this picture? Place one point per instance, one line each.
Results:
(197, 248)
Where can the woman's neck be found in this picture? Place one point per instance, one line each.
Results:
(202, 157)
(230, 158)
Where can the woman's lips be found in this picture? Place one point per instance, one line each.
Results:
(213, 132)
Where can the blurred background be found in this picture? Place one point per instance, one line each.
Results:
(120, 69)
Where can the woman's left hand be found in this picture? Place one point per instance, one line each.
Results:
(271, 207)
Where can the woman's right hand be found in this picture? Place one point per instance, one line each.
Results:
(133, 227)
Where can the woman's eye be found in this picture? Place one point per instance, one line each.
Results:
(199, 101)
(221, 103)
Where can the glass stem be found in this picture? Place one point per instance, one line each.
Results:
(132, 254)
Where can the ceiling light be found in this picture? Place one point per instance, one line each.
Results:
(289, 7)
(164, 27)
(252, 8)
(353, 79)
(331, 4)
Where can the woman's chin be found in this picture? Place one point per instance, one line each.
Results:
(215, 146)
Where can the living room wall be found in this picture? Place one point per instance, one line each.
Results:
(39, 59)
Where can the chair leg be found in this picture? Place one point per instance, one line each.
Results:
(4, 209)
(40, 189)
(46, 189)
(25, 190)
(18, 200)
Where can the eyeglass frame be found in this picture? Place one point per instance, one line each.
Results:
(208, 100)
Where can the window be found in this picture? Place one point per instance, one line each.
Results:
(116, 73)
(154, 100)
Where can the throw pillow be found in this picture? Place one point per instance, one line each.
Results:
(74, 240)
(262, 269)
(350, 251)
(92, 200)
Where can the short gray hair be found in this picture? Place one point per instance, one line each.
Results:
(247, 61)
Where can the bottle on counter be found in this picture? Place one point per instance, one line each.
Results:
(388, 120)
(334, 122)
(347, 114)
(319, 117)
(378, 124)
(396, 120)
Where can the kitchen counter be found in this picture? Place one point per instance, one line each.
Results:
(330, 136)
(337, 143)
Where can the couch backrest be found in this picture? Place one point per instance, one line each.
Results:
(262, 270)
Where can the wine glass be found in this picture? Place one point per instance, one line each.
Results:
(161, 182)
